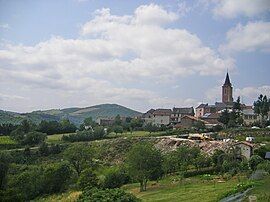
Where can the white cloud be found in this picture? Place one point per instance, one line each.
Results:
(235, 8)
(4, 26)
(115, 58)
(252, 93)
(250, 37)
(183, 8)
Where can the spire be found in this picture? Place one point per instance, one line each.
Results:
(227, 80)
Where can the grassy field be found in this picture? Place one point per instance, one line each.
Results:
(191, 189)
(55, 138)
(261, 190)
(6, 140)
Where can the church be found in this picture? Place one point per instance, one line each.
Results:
(206, 111)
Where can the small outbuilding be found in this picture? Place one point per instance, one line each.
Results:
(246, 149)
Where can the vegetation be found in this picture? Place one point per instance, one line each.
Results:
(107, 195)
(144, 163)
(79, 156)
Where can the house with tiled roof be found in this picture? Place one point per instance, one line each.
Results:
(178, 113)
(189, 121)
(162, 117)
(245, 149)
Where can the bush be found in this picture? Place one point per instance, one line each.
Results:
(35, 181)
(87, 179)
(56, 177)
(85, 135)
(265, 165)
(107, 195)
(115, 178)
(254, 161)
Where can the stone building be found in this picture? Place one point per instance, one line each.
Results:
(227, 90)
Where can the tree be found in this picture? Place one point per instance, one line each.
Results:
(25, 126)
(79, 156)
(88, 179)
(117, 120)
(237, 105)
(254, 161)
(118, 129)
(49, 127)
(115, 178)
(5, 160)
(33, 138)
(225, 117)
(151, 128)
(199, 125)
(143, 162)
(262, 106)
(89, 122)
(56, 177)
(43, 149)
(186, 156)
(67, 126)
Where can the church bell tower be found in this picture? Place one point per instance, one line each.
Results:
(227, 90)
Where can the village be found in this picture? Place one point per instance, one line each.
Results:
(206, 116)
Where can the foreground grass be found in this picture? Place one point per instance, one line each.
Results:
(65, 197)
(168, 190)
(261, 190)
(191, 189)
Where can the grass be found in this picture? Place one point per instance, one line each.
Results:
(6, 140)
(261, 190)
(71, 196)
(191, 189)
(168, 189)
(55, 138)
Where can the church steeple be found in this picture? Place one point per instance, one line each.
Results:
(227, 90)
(227, 80)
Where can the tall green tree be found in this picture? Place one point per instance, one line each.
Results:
(117, 120)
(79, 156)
(143, 163)
(225, 117)
(262, 106)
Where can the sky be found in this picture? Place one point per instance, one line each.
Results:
(140, 54)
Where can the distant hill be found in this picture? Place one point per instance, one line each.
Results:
(76, 115)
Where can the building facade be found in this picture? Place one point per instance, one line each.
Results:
(178, 113)
(162, 117)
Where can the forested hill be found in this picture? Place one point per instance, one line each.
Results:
(75, 115)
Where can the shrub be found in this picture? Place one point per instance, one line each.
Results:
(87, 179)
(56, 177)
(115, 178)
(265, 165)
(254, 161)
(107, 195)
(85, 135)
(35, 181)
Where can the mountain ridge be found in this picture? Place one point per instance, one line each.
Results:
(74, 114)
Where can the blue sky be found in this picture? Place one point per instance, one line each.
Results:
(141, 54)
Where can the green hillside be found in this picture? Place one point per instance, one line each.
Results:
(76, 115)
